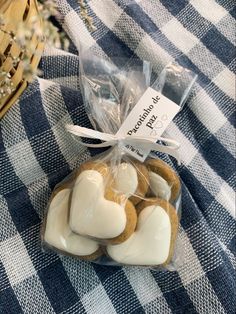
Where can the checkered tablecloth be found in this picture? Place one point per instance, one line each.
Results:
(36, 153)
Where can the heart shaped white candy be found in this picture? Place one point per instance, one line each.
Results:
(149, 244)
(90, 213)
(159, 186)
(58, 233)
(126, 179)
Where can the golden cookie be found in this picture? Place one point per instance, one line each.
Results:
(56, 232)
(131, 217)
(95, 165)
(96, 210)
(164, 182)
(152, 243)
(130, 178)
(143, 182)
(171, 211)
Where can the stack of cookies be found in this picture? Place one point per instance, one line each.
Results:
(125, 212)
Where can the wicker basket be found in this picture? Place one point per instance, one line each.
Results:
(14, 12)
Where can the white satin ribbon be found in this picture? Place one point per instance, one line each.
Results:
(171, 146)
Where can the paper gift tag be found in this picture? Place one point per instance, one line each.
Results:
(149, 118)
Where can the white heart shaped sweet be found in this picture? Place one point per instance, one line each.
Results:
(159, 186)
(149, 244)
(126, 178)
(58, 233)
(90, 213)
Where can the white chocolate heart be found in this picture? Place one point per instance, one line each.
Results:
(159, 186)
(126, 178)
(90, 213)
(58, 233)
(149, 244)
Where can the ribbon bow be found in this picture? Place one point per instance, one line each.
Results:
(170, 146)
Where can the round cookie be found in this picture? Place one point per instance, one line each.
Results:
(152, 243)
(164, 182)
(96, 211)
(57, 234)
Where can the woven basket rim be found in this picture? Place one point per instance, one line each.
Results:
(23, 10)
(4, 5)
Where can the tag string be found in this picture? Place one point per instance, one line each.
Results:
(169, 146)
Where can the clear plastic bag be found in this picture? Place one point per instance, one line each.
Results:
(115, 209)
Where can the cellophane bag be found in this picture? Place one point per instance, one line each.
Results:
(122, 207)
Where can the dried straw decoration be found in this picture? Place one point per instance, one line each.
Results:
(13, 80)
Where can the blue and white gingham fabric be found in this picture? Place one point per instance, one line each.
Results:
(36, 153)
